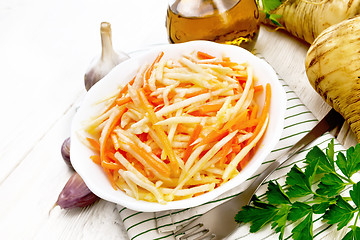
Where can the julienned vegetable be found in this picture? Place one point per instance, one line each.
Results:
(180, 128)
(317, 192)
(333, 69)
(306, 19)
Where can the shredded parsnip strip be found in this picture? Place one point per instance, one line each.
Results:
(130, 137)
(131, 176)
(161, 134)
(132, 186)
(139, 81)
(190, 191)
(159, 72)
(232, 166)
(198, 165)
(173, 126)
(92, 126)
(182, 119)
(241, 101)
(195, 154)
(174, 107)
(126, 147)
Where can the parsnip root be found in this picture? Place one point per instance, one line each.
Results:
(306, 19)
(333, 68)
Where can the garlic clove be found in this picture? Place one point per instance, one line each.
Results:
(65, 152)
(109, 58)
(76, 194)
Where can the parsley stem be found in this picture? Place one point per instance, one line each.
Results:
(356, 219)
(351, 181)
(347, 199)
(347, 179)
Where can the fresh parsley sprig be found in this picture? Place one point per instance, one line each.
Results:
(304, 195)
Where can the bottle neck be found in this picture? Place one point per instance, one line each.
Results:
(201, 8)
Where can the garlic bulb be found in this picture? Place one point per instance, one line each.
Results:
(109, 58)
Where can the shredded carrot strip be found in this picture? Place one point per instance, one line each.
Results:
(210, 108)
(241, 79)
(226, 59)
(246, 124)
(96, 159)
(214, 136)
(193, 137)
(160, 132)
(157, 165)
(151, 67)
(237, 119)
(155, 101)
(254, 111)
(94, 144)
(106, 135)
(110, 165)
(258, 88)
(244, 161)
(126, 87)
(123, 100)
(236, 146)
(113, 163)
(225, 150)
(204, 55)
(121, 92)
(227, 64)
(193, 94)
(109, 174)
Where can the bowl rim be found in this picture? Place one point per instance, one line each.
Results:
(127, 69)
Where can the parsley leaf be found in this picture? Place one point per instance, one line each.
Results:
(299, 210)
(354, 234)
(299, 184)
(276, 194)
(355, 194)
(258, 217)
(330, 152)
(325, 163)
(303, 231)
(330, 185)
(301, 197)
(350, 164)
(269, 5)
(274, 19)
(280, 219)
(320, 208)
(341, 213)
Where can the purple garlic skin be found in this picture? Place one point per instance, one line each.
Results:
(76, 194)
(65, 152)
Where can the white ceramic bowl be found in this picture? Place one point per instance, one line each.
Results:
(94, 176)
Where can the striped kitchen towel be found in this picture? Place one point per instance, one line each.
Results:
(298, 121)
